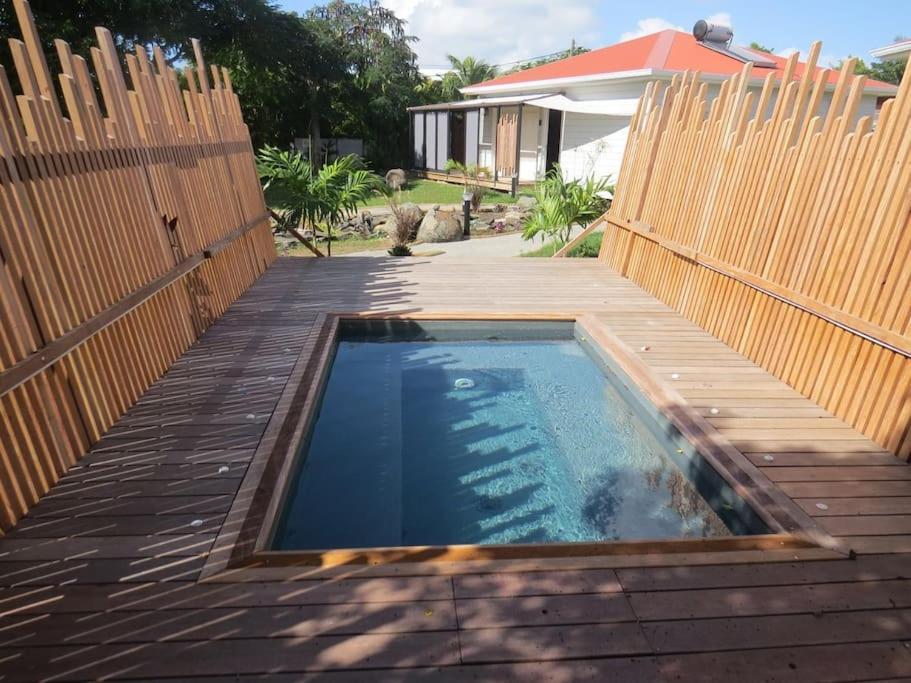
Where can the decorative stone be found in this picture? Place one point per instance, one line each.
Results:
(526, 203)
(440, 226)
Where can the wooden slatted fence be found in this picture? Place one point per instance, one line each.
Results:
(784, 231)
(127, 225)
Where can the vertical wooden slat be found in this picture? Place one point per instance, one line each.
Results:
(88, 189)
(805, 220)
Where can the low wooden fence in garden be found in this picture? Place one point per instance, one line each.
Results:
(127, 225)
(781, 230)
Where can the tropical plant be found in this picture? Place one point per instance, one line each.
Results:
(472, 175)
(465, 72)
(315, 200)
(562, 203)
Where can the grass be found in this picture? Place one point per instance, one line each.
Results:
(344, 246)
(349, 245)
(432, 192)
(588, 248)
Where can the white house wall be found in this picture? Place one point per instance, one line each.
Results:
(593, 145)
(531, 145)
(488, 126)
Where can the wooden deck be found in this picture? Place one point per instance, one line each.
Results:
(100, 580)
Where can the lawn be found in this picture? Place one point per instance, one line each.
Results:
(589, 247)
(432, 192)
(348, 245)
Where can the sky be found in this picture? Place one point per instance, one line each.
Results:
(504, 31)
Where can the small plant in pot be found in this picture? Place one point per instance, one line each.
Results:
(406, 218)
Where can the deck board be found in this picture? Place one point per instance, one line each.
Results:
(101, 578)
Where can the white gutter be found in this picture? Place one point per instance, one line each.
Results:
(896, 51)
(556, 83)
(624, 108)
(633, 75)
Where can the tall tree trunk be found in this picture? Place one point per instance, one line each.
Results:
(316, 160)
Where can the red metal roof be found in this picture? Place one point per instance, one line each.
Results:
(667, 50)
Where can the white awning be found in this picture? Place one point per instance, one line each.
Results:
(618, 107)
(480, 102)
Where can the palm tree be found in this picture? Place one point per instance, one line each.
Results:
(465, 72)
(314, 199)
(562, 203)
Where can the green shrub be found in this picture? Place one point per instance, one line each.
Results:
(399, 250)
(564, 203)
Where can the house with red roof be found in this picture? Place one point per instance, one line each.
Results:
(577, 111)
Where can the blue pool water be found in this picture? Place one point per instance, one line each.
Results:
(483, 442)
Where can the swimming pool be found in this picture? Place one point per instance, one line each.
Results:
(438, 433)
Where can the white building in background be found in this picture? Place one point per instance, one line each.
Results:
(900, 51)
(577, 111)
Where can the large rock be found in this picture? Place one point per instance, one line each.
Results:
(524, 202)
(440, 226)
(513, 218)
(395, 178)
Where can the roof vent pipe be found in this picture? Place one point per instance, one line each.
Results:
(705, 32)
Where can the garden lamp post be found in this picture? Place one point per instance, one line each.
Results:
(466, 214)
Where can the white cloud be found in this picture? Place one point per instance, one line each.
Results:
(498, 32)
(650, 25)
(720, 18)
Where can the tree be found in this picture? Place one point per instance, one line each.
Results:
(290, 72)
(372, 104)
(159, 21)
(762, 48)
(890, 71)
(466, 71)
(314, 200)
(346, 68)
(555, 57)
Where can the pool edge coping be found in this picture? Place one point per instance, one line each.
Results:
(246, 532)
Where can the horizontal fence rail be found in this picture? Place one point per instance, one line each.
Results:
(128, 224)
(782, 229)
